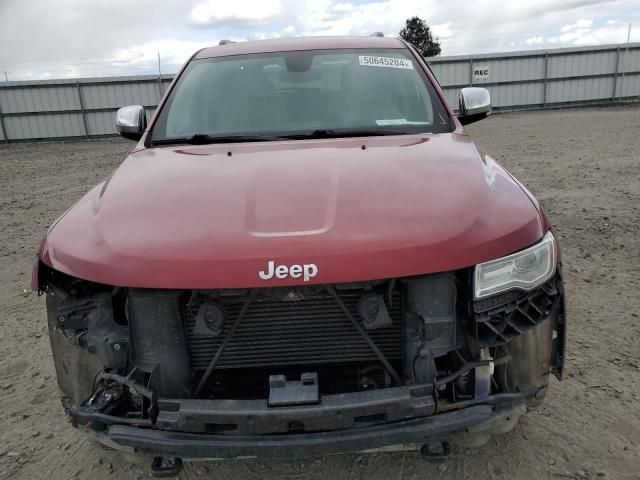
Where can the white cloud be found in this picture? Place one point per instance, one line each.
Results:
(580, 24)
(234, 12)
(325, 18)
(443, 30)
(539, 40)
(613, 31)
(94, 37)
(171, 52)
(289, 31)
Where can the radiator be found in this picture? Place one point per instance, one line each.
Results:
(275, 331)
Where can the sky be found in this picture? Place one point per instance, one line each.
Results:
(41, 39)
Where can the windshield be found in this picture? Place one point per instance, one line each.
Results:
(289, 94)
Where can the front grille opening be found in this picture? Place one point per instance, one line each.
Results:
(375, 418)
(253, 383)
(220, 428)
(295, 427)
(291, 331)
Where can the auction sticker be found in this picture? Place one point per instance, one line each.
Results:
(388, 62)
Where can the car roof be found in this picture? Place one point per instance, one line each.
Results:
(298, 43)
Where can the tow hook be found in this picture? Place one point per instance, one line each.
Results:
(166, 467)
(435, 452)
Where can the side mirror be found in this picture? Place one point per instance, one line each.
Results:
(131, 122)
(475, 104)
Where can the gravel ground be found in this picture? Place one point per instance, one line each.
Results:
(583, 165)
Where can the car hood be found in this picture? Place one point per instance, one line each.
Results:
(213, 216)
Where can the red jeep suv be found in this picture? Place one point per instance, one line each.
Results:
(304, 254)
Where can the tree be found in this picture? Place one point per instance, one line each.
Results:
(417, 33)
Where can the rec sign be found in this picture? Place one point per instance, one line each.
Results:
(480, 72)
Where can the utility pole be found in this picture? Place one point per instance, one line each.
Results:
(6, 78)
(624, 62)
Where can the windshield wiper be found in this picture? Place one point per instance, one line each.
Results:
(329, 133)
(204, 139)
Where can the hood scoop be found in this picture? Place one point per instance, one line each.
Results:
(302, 202)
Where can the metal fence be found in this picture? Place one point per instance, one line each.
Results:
(517, 80)
(73, 108)
(545, 78)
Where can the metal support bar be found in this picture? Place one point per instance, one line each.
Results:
(365, 335)
(524, 56)
(470, 71)
(70, 83)
(624, 62)
(66, 112)
(224, 343)
(541, 80)
(2, 129)
(546, 74)
(84, 115)
(615, 75)
(160, 92)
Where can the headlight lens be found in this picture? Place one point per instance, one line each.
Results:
(524, 270)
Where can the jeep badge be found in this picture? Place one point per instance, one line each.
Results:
(307, 271)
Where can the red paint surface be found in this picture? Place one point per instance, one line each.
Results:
(194, 217)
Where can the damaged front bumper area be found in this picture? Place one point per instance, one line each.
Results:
(293, 372)
(471, 425)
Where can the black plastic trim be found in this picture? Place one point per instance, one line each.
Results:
(189, 445)
(477, 415)
(334, 412)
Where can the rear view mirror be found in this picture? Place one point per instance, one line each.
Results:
(474, 104)
(131, 122)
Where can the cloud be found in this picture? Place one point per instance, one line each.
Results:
(173, 53)
(289, 31)
(584, 32)
(443, 30)
(539, 40)
(211, 13)
(97, 37)
(580, 24)
(387, 16)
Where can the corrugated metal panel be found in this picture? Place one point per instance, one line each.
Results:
(44, 126)
(508, 70)
(583, 64)
(629, 60)
(629, 86)
(516, 94)
(38, 99)
(101, 123)
(113, 95)
(579, 90)
(452, 73)
(452, 97)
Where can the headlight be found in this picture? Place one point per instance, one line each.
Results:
(524, 270)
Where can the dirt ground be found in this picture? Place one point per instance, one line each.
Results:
(583, 165)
